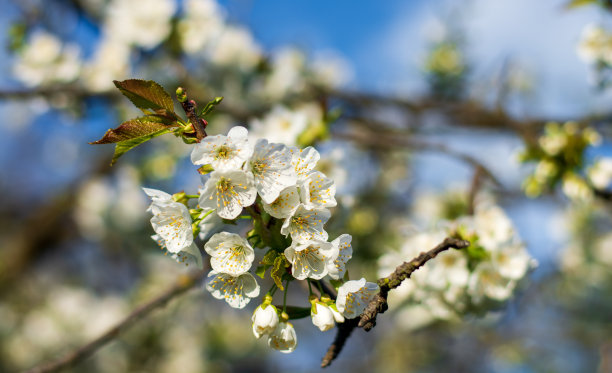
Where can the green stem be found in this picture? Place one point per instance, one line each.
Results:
(285, 296)
(272, 290)
(320, 288)
(309, 288)
(192, 196)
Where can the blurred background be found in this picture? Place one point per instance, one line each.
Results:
(418, 108)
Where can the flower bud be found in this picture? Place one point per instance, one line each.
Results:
(283, 338)
(265, 320)
(322, 316)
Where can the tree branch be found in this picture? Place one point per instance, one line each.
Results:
(183, 284)
(378, 304)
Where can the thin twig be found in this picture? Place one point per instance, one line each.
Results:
(378, 304)
(183, 284)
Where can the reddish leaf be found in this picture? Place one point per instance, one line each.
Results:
(148, 96)
(133, 128)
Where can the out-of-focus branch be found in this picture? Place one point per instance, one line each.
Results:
(378, 304)
(384, 141)
(183, 284)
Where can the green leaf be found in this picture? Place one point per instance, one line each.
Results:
(270, 257)
(210, 106)
(578, 3)
(122, 147)
(261, 271)
(133, 129)
(295, 312)
(148, 96)
(278, 269)
(205, 169)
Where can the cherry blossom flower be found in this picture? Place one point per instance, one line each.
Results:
(305, 225)
(283, 338)
(309, 260)
(223, 153)
(317, 191)
(304, 161)
(236, 290)
(336, 266)
(288, 200)
(228, 192)
(171, 220)
(486, 281)
(322, 316)
(230, 253)
(354, 296)
(265, 318)
(190, 254)
(272, 170)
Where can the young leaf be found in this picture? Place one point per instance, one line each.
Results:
(278, 269)
(148, 96)
(124, 146)
(133, 128)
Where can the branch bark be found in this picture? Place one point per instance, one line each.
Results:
(183, 284)
(378, 304)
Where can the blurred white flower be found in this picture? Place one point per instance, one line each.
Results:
(576, 188)
(287, 74)
(44, 60)
(111, 62)
(595, 44)
(331, 70)
(202, 24)
(144, 23)
(600, 174)
(280, 125)
(235, 47)
(486, 281)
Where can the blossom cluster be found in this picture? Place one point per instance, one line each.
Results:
(595, 45)
(460, 281)
(560, 159)
(289, 202)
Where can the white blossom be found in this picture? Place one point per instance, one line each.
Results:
(272, 170)
(322, 316)
(223, 153)
(201, 25)
(235, 47)
(305, 225)
(492, 226)
(265, 320)
(283, 338)
(512, 261)
(44, 60)
(449, 268)
(576, 188)
(230, 253)
(336, 266)
(111, 62)
(190, 254)
(486, 281)
(317, 191)
(304, 161)
(600, 174)
(171, 220)
(354, 296)
(228, 192)
(236, 290)
(280, 125)
(595, 44)
(144, 23)
(288, 200)
(309, 260)
(287, 74)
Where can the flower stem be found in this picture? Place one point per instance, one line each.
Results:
(309, 288)
(285, 296)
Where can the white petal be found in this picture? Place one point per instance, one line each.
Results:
(237, 291)
(230, 253)
(286, 203)
(337, 265)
